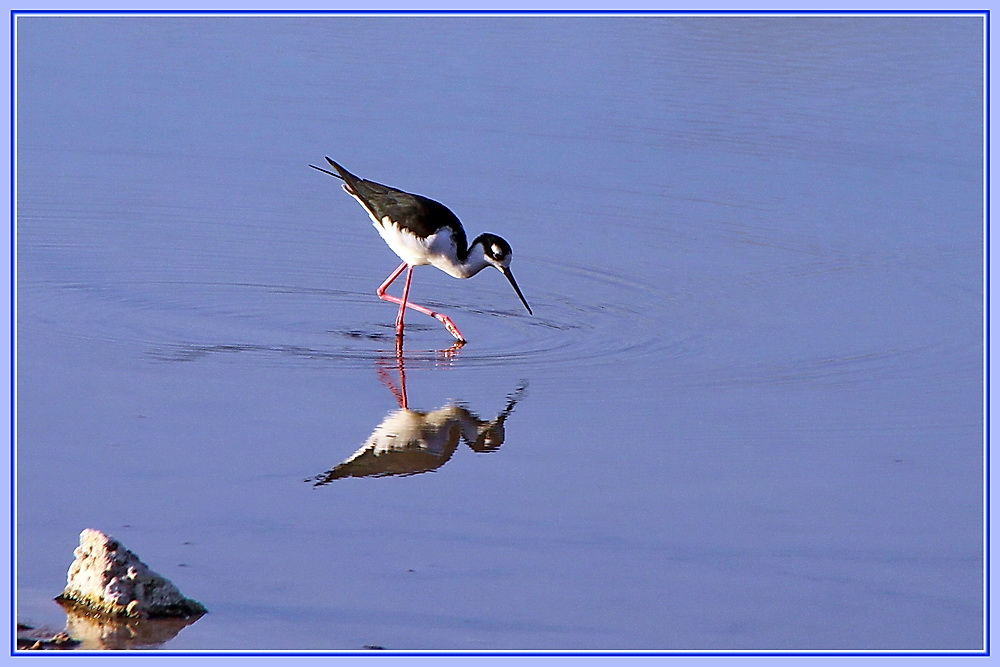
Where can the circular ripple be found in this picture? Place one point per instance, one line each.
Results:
(604, 317)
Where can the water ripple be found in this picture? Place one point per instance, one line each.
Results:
(606, 317)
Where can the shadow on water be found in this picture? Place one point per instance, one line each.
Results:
(410, 442)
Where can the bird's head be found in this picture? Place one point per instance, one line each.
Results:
(497, 253)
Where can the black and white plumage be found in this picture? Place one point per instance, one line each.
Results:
(422, 231)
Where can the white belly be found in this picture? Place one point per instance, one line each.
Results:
(411, 249)
(438, 249)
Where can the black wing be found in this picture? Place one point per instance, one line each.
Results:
(416, 213)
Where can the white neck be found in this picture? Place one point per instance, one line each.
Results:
(474, 262)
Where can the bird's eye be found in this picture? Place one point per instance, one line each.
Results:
(496, 252)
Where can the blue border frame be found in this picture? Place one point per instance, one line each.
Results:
(985, 13)
(529, 12)
(986, 344)
(11, 479)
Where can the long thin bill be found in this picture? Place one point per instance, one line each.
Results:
(513, 283)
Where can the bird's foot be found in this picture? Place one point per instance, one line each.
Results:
(450, 326)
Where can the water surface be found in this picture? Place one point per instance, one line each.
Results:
(746, 414)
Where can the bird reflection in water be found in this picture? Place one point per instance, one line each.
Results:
(409, 442)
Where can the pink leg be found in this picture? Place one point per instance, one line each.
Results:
(380, 366)
(388, 281)
(404, 304)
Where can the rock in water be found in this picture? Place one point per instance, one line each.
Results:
(108, 578)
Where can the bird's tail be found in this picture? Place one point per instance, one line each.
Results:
(349, 179)
(326, 171)
(342, 173)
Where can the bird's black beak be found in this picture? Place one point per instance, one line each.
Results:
(513, 283)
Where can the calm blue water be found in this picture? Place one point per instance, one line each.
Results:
(748, 410)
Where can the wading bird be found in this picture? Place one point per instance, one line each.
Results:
(423, 231)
